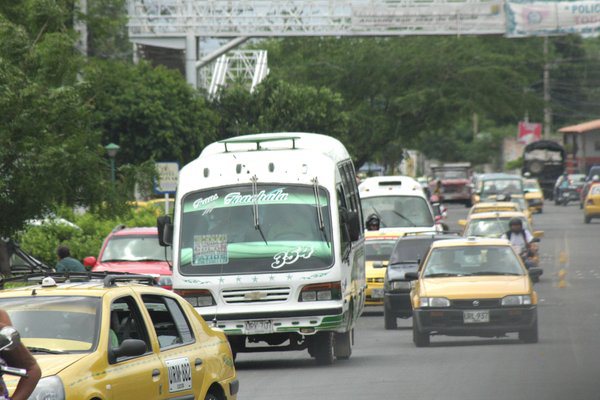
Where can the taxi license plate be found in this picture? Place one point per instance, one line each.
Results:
(258, 327)
(377, 293)
(476, 317)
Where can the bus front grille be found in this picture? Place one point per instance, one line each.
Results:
(255, 295)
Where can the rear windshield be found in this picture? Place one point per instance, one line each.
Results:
(410, 250)
(379, 250)
(135, 248)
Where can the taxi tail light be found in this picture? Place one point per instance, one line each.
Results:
(197, 297)
(321, 292)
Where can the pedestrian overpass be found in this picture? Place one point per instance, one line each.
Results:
(178, 24)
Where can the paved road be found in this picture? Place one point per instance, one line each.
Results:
(565, 364)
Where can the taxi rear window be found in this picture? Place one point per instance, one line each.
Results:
(55, 323)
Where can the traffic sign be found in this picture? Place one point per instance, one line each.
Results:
(167, 174)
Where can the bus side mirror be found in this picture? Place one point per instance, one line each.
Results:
(165, 230)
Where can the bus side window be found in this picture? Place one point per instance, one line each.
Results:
(341, 198)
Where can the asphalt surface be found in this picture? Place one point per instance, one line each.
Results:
(565, 364)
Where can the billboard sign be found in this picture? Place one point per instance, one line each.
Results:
(551, 17)
(529, 132)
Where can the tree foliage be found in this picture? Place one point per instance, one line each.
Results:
(278, 106)
(151, 113)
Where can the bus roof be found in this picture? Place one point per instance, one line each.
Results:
(283, 141)
(390, 186)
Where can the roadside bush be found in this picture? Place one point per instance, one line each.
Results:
(86, 240)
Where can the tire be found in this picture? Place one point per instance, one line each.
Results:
(530, 336)
(541, 211)
(390, 321)
(210, 396)
(322, 348)
(587, 219)
(342, 345)
(556, 202)
(469, 204)
(420, 339)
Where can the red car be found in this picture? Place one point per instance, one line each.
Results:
(136, 251)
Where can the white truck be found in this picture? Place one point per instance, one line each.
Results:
(268, 243)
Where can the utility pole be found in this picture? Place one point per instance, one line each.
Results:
(81, 27)
(547, 106)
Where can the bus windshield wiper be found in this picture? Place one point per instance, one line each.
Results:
(254, 181)
(404, 218)
(319, 211)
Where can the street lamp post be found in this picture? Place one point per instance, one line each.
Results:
(112, 150)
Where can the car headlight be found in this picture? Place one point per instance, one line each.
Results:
(400, 285)
(434, 302)
(49, 388)
(524, 300)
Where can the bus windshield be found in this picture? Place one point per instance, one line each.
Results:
(246, 230)
(399, 211)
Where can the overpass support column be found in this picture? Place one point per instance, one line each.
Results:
(191, 56)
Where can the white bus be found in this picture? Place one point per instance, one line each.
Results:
(268, 243)
(400, 204)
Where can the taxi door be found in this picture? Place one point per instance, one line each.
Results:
(184, 371)
(136, 377)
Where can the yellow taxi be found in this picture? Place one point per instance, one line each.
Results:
(113, 338)
(488, 206)
(473, 287)
(591, 206)
(495, 224)
(534, 195)
(378, 249)
(498, 206)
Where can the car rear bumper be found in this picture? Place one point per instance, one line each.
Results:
(450, 321)
(398, 303)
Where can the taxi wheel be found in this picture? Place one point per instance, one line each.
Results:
(419, 338)
(587, 220)
(389, 319)
(322, 348)
(210, 396)
(343, 345)
(529, 336)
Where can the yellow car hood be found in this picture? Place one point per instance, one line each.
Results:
(475, 286)
(50, 364)
(371, 272)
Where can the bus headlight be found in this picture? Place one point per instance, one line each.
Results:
(321, 292)
(197, 297)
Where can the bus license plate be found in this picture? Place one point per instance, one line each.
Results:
(258, 327)
(476, 317)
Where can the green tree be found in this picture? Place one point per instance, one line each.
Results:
(278, 106)
(152, 113)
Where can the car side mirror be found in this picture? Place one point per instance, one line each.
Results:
(538, 234)
(535, 273)
(129, 348)
(89, 261)
(165, 230)
(462, 222)
(411, 276)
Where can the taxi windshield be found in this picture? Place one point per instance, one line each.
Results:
(399, 211)
(55, 324)
(379, 250)
(532, 186)
(490, 227)
(502, 186)
(472, 261)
